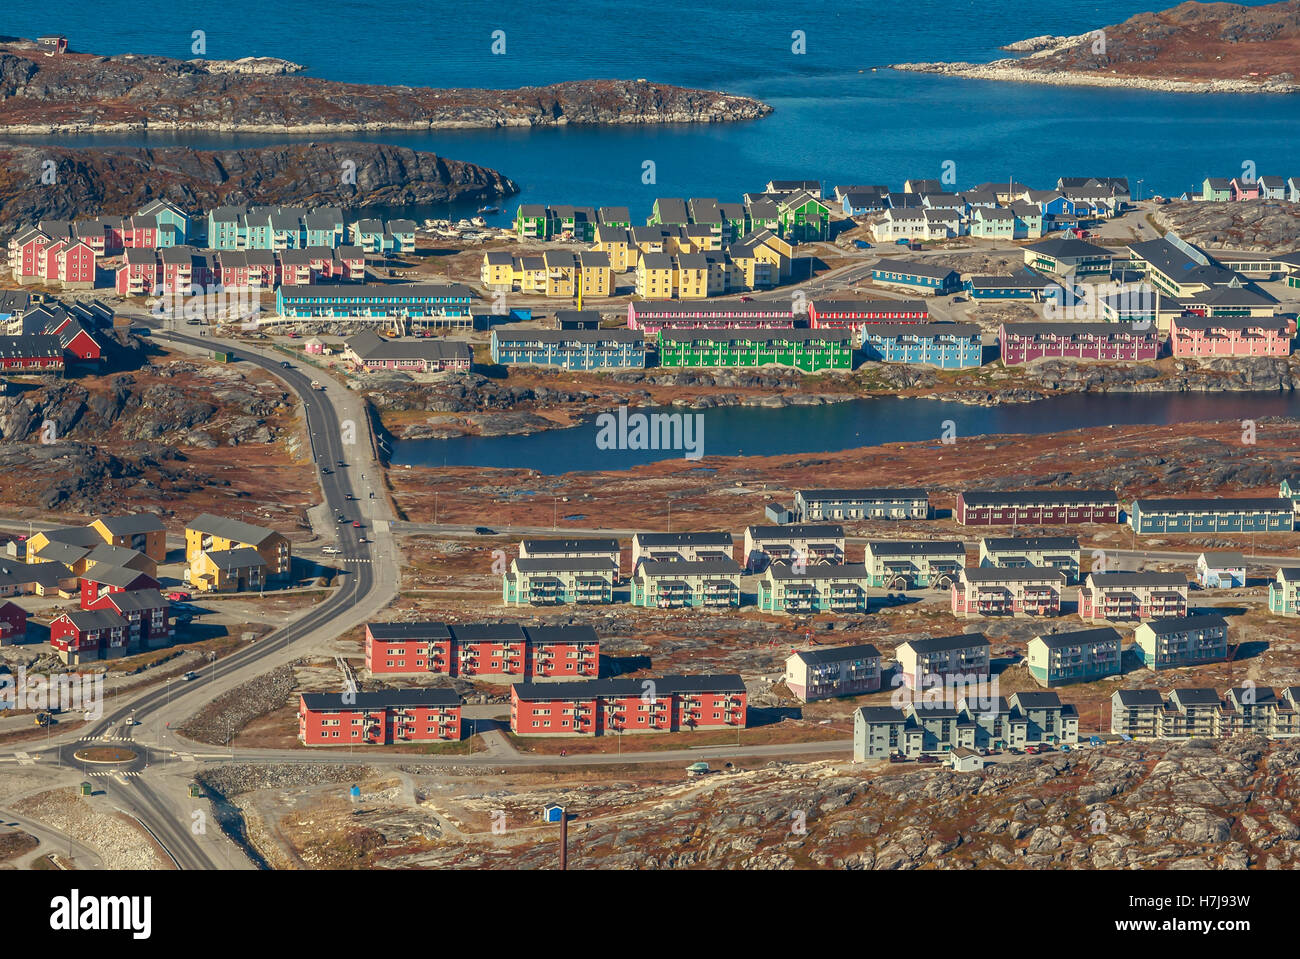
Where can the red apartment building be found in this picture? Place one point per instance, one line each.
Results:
(146, 614)
(1036, 507)
(86, 635)
(1241, 336)
(13, 623)
(855, 314)
(492, 652)
(1025, 342)
(659, 704)
(390, 716)
(103, 580)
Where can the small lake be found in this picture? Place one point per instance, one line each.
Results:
(758, 431)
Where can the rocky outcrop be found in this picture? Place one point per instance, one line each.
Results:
(119, 180)
(1220, 375)
(1268, 226)
(1190, 48)
(79, 93)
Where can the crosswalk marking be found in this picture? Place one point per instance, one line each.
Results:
(24, 759)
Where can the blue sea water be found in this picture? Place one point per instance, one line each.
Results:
(835, 120)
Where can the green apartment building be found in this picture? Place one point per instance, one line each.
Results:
(811, 351)
(813, 589)
(552, 581)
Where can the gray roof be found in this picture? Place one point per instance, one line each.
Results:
(837, 654)
(359, 702)
(940, 643)
(132, 524)
(243, 557)
(1079, 637)
(231, 529)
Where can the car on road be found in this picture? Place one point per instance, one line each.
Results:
(484, 531)
(286, 364)
(896, 758)
(326, 471)
(177, 596)
(348, 496)
(356, 524)
(191, 675)
(745, 299)
(362, 539)
(342, 518)
(927, 759)
(1033, 750)
(341, 464)
(331, 550)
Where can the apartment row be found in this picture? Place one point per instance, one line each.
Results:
(179, 268)
(1202, 713)
(558, 273)
(489, 652)
(922, 729)
(658, 704)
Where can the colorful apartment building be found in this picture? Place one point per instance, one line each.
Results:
(146, 613)
(679, 547)
(1201, 336)
(570, 349)
(811, 351)
(708, 583)
(594, 548)
(1039, 507)
(1022, 343)
(944, 661)
(213, 534)
(1121, 597)
(369, 351)
(1067, 256)
(827, 672)
(653, 316)
(857, 315)
(658, 704)
(815, 505)
(143, 532)
(949, 346)
(1218, 515)
(87, 635)
(1201, 713)
(556, 581)
(380, 718)
(1182, 641)
(914, 564)
(1077, 656)
(13, 624)
(1284, 592)
(1060, 553)
(925, 277)
(791, 588)
(991, 591)
(492, 652)
(374, 301)
(807, 543)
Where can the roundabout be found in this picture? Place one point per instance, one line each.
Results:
(106, 755)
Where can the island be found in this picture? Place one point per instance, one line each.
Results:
(1190, 48)
(44, 92)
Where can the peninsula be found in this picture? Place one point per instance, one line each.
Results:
(75, 92)
(1190, 48)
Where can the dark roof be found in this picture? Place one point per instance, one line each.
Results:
(1139, 697)
(138, 599)
(242, 557)
(939, 643)
(914, 547)
(1215, 505)
(232, 529)
(621, 688)
(1000, 543)
(409, 631)
(562, 564)
(593, 545)
(119, 576)
(357, 702)
(1037, 497)
(895, 330)
(882, 714)
(1163, 627)
(1078, 637)
(762, 336)
(837, 654)
(796, 531)
(132, 524)
(1103, 580)
(1035, 700)
(1067, 247)
(913, 269)
(85, 619)
(820, 571)
(635, 337)
(1196, 696)
(1105, 330)
(545, 635)
(838, 495)
(702, 567)
(656, 540)
(488, 632)
(1013, 574)
(35, 346)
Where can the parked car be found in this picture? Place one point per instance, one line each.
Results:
(341, 464)
(896, 758)
(1033, 750)
(326, 471)
(286, 364)
(177, 596)
(928, 759)
(484, 531)
(331, 550)
(191, 675)
(348, 496)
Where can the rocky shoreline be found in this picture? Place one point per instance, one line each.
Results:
(84, 93)
(1014, 71)
(469, 404)
(117, 180)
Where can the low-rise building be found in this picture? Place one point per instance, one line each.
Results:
(1201, 713)
(815, 505)
(658, 704)
(557, 580)
(944, 660)
(1036, 507)
(992, 591)
(949, 346)
(1218, 515)
(1021, 343)
(914, 564)
(925, 277)
(368, 351)
(1077, 656)
(1284, 592)
(793, 588)
(1182, 641)
(811, 351)
(1221, 570)
(227, 570)
(1121, 597)
(208, 533)
(143, 532)
(944, 729)
(1060, 553)
(708, 583)
(809, 543)
(570, 349)
(1226, 336)
(379, 718)
(681, 546)
(1067, 256)
(825, 672)
(13, 624)
(86, 635)
(146, 612)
